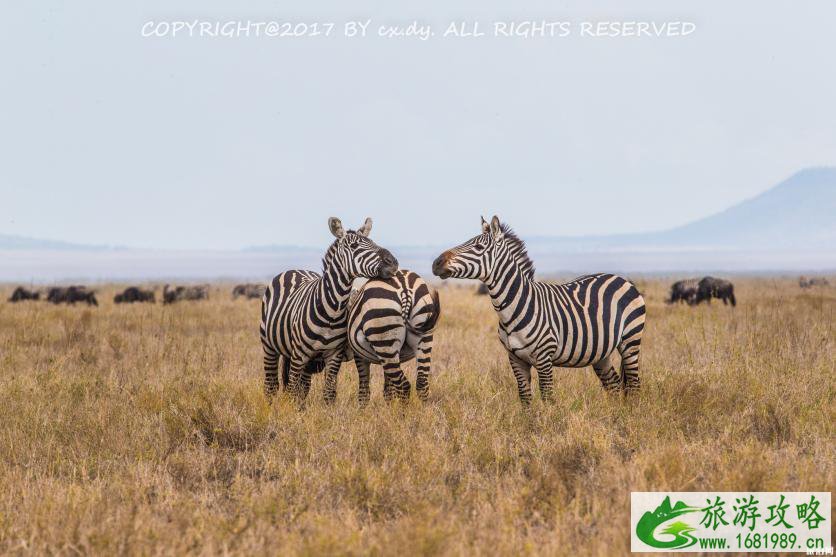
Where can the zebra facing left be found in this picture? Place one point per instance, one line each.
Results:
(303, 313)
(542, 325)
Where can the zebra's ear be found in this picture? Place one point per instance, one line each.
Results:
(366, 228)
(496, 228)
(336, 227)
(485, 225)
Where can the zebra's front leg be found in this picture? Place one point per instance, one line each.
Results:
(332, 370)
(522, 373)
(423, 360)
(364, 392)
(398, 383)
(545, 378)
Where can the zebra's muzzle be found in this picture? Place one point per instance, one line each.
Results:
(440, 266)
(388, 264)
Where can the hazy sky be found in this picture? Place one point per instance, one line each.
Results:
(110, 137)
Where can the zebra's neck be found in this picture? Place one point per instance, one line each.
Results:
(510, 289)
(334, 289)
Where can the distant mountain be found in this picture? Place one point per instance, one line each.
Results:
(797, 214)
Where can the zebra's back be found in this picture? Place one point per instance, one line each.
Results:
(592, 316)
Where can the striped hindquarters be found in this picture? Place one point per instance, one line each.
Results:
(596, 314)
(283, 303)
(392, 321)
(388, 315)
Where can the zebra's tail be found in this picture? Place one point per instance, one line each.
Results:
(284, 363)
(431, 321)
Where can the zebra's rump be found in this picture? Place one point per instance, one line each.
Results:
(387, 317)
(283, 305)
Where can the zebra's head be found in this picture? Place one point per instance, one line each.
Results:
(495, 248)
(357, 254)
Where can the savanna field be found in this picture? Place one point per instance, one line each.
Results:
(143, 429)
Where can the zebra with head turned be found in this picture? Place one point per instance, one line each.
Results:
(391, 321)
(575, 324)
(303, 313)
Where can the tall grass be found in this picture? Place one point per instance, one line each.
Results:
(142, 429)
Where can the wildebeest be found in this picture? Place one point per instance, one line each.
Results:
(684, 291)
(804, 282)
(71, 295)
(21, 294)
(248, 291)
(134, 294)
(710, 287)
(200, 292)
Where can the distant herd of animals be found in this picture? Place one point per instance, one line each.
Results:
(311, 322)
(695, 291)
(131, 295)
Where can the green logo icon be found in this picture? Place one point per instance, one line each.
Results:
(681, 531)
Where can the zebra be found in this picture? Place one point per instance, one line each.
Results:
(575, 324)
(391, 321)
(303, 313)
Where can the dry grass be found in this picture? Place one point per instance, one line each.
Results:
(143, 430)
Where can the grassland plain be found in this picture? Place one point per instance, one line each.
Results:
(142, 429)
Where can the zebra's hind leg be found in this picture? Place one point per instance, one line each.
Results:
(271, 372)
(522, 373)
(387, 387)
(398, 383)
(364, 392)
(423, 359)
(609, 377)
(630, 350)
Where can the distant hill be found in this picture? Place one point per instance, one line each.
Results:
(790, 227)
(797, 214)
(8, 242)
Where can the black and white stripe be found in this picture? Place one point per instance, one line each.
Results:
(303, 313)
(391, 321)
(580, 323)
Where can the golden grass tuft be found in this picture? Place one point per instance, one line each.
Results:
(142, 429)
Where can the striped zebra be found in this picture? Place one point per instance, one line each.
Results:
(391, 321)
(303, 313)
(576, 324)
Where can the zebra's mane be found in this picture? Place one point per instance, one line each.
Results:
(329, 254)
(518, 249)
